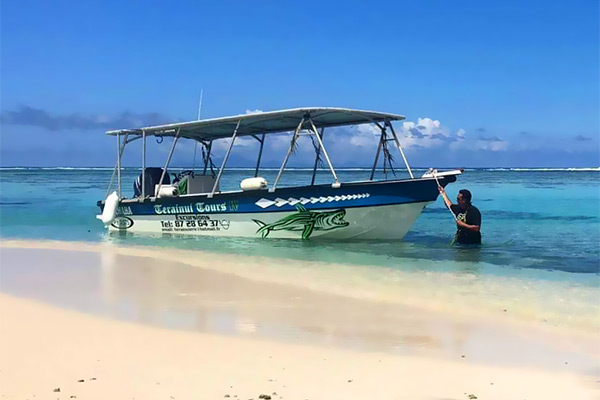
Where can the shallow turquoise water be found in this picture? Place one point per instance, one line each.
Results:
(534, 221)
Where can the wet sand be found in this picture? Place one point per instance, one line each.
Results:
(146, 327)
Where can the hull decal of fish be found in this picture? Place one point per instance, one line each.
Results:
(305, 221)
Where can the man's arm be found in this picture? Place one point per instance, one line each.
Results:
(474, 228)
(445, 197)
(474, 219)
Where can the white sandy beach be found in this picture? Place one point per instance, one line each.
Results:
(332, 346)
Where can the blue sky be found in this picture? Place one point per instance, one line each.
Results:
(501, 83)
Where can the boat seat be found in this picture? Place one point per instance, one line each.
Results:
(200, 184)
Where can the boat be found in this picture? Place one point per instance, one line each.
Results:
(194, 204)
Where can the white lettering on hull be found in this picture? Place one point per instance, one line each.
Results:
(204, 208)
(189, 208)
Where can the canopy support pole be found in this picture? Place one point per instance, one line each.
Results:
(316, 133)
(119, 154)
(318, 152)
(117, 164)
(381, 139)
(260, 150)
(214, 189)
(287, 156)
(388, 123)
(208, 148)
(143, 165)
(162, 176)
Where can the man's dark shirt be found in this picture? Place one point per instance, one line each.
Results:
(470, 216)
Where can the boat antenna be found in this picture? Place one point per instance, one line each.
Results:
(200, 104)
(195, 141)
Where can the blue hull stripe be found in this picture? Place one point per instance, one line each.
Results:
(318, 197)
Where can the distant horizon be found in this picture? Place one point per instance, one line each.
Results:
(593, 167)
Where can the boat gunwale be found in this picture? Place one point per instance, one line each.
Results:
(307, 187)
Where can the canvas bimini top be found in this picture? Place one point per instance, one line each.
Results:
(263, 123)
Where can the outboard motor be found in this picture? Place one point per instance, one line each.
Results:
(153, 175)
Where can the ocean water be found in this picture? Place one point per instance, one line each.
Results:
(540, 219)
(541, 236)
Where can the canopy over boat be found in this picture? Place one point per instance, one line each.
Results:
(263, 123)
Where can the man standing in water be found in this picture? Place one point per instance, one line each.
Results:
(468, 217)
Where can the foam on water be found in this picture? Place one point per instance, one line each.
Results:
(583, 169)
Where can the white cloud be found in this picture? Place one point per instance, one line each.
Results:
(239, 142)
(496, 145)
(365, 136)
(358, 145)
(429, 133)
(426, 132)
(254, 111)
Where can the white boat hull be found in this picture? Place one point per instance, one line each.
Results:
(389, 222)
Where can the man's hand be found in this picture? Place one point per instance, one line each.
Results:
(464, 225)
(446, 199)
